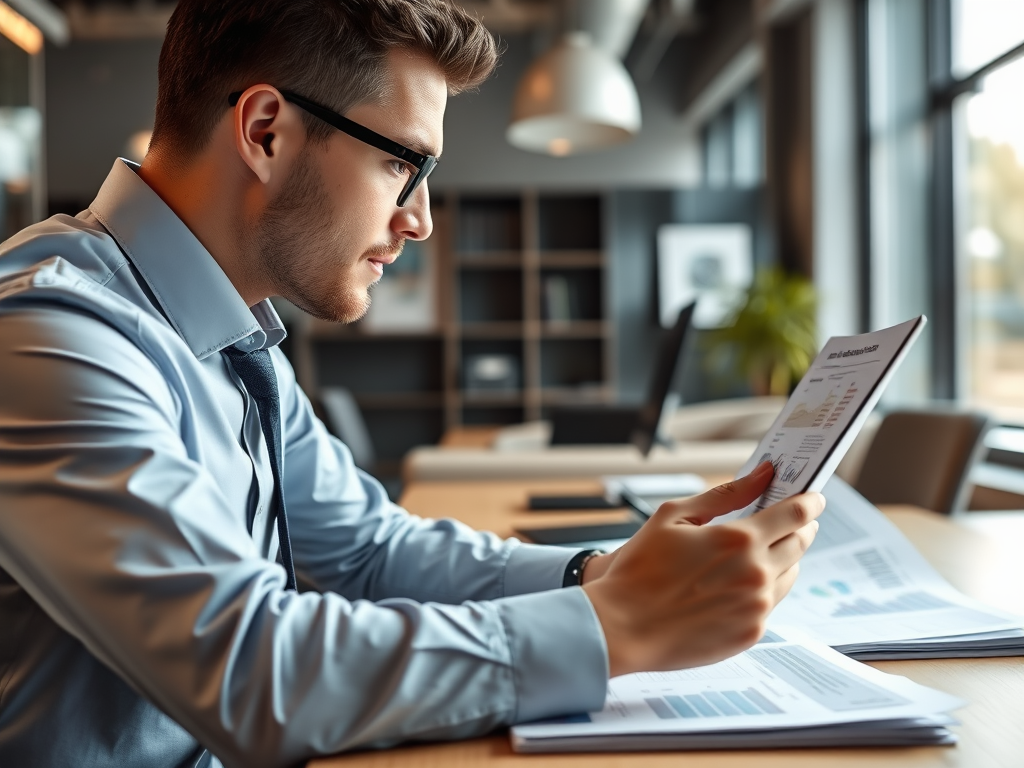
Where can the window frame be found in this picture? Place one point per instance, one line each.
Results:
(944, 88)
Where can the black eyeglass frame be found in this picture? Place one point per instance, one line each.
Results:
(424, 164)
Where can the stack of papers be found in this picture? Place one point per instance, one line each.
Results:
(866, 591)
(786, 691)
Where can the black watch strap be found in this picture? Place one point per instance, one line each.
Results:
(574, 569)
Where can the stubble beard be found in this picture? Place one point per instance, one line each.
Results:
(299, 252)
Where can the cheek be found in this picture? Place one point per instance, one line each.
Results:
(362, 212)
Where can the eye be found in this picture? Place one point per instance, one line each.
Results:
(400, 167)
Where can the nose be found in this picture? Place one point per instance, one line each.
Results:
(413, 221)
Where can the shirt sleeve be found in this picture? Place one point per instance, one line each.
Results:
(126, 541)
(348, 537)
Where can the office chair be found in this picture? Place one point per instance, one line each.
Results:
(923, 458)
(345, 420)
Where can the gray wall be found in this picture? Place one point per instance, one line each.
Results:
(101, 92)
(633, 219)
(97, 95)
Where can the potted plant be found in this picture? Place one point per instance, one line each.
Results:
(773, 336)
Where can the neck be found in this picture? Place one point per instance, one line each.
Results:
(209, 196)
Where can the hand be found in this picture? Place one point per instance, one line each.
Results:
(684, 594)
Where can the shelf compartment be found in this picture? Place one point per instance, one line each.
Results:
(571, 362)
(507, 330)
(576, 395)
(388, 366)
(492, 414)
(326, 330)
(397, 431)
(571, 295)
(478, 398)
(496, 260)
(491, 368)
(493, 295)
(569, 222)
(490, 224)
(579, 329)
(572, 259)
(401, 400)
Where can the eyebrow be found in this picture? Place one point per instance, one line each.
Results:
(417, 146)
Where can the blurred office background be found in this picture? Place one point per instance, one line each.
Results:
(873, 147)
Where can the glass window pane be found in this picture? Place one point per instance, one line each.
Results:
(983, 30)
(899, 168)
(991, 236)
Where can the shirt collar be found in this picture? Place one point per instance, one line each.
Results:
(195, 295)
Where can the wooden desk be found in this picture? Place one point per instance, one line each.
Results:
(980, 565)
(469, 437)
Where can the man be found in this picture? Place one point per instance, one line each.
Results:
(156, 460)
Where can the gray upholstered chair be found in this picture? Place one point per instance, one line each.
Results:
(345, 420)
(923, 458)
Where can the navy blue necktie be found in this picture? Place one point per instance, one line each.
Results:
(256, 370)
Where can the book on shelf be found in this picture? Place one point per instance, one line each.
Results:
(557, 300)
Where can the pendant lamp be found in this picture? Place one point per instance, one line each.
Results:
(577, 97)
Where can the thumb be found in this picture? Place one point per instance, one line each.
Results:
(727, 497)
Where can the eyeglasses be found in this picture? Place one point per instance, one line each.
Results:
(424, 164)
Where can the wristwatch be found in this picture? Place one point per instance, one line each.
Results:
(574, 570)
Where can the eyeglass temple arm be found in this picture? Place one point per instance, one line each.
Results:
(350, 127)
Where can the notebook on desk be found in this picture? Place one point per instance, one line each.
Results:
(613, 425)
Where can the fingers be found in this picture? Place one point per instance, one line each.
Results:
(787, 551)
(780, 520)
(785, 582)
(727, 497)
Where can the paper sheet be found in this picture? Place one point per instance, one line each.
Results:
(862, 581)
(827, 410)
(785, 681)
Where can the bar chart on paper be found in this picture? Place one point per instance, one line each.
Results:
(713, 704)
(908, 601)
(862, 582)
(785, 691)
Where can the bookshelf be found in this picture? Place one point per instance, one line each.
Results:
(529, 272)
(522, 294)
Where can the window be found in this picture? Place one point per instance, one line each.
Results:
(897, 170)
(984, 30)
(988, 179)
(991, 237)
(732, 143)
(943, 161)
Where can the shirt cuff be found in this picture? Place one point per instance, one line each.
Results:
(535, 568)
(559, 655)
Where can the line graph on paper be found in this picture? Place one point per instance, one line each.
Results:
(823, 402)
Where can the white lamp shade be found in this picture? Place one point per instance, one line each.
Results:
(576, 97)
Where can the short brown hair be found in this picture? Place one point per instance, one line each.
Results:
(330, 51)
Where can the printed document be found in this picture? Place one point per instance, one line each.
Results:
(827, 410)
(863, 587)
(785, 691)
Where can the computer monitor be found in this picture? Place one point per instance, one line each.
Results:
(623, 424)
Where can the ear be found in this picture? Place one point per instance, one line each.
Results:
(268, 135)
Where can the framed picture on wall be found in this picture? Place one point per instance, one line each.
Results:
(711, 264)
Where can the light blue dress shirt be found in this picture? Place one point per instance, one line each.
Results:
(143, 615)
